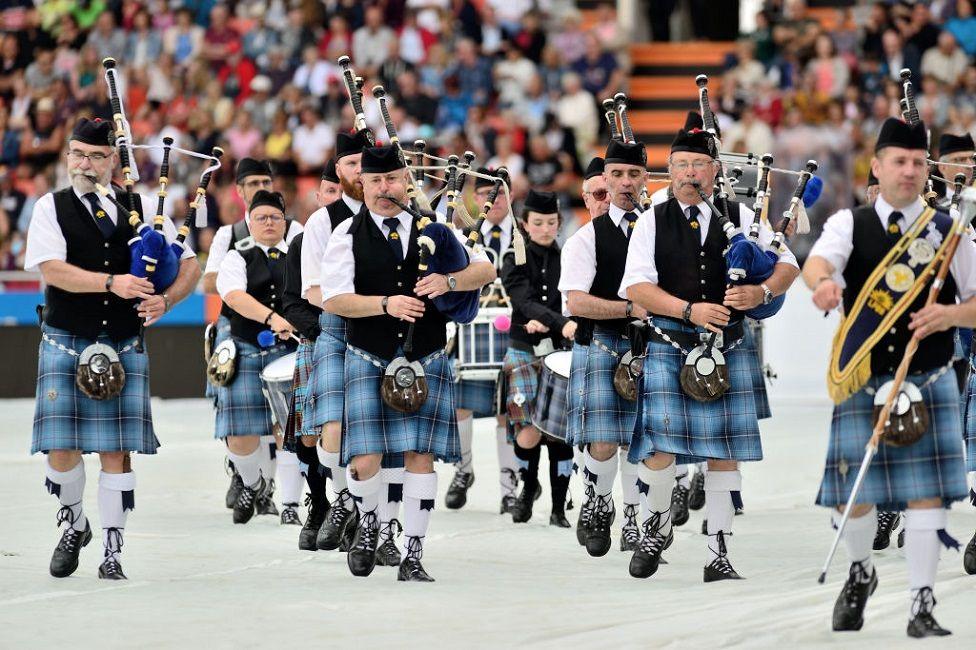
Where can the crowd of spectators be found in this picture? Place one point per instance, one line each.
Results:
(515, 81)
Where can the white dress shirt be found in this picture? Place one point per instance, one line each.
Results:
(45, 241)
(338, 270)
(233, 270)
(221, 242)
(318, 230)
(641, 266)
(836, 243)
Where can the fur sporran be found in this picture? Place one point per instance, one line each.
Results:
(404, 386)
(222, 366)
(908, 420)
(100, 374)
(705, 375)
(627, 376)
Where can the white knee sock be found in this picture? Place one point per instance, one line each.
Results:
(507, 463)
(684, 476)
(249, 466)
(628, 480)
(859, 538)
(466, 433)
(290, 476)
(269, 461)
(655, 494)
(116, 497)
(601, 472)
(332, 470)
(69, 488)
(365, 493)
(922, 549)
(391, 494)
(419, 496)
(719, 485)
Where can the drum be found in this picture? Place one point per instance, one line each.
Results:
(276, 384)
(550, 415)
(481, 346)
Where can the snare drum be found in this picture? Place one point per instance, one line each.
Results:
(550, 415)
(481, 348)
(276, 384)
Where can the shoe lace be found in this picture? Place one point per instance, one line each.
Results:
(886, 520)
(460, 480)
(653, 540)
(857, 575)
(368, 531)
(70, 537)
(586, 512)
(721, 561)
(390, 530)
(247, 496)
(922, 605)
(630, 529)
(289, 514)
(602, 512)
(67, 515)
(339, 512)
(113, 544)
(268, 491)
(228, 467)
(510, 482)
(680, 493)
(415, 547)
(112, 566)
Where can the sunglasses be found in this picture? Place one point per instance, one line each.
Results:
(599, 195)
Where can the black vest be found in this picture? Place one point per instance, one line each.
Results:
(542, 270)
(239, 231)
(379, 274)
(339, 212)
(296, 310)
(88, 314)
(870, 246)
(687, 269)
(264, 285)
(611, 245)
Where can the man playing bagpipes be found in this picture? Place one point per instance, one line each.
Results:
(477, 398)
(93, 371)
(538, 328)
(876, 260)
(251, 281)
(251, 177)
(698, 396)
(399, 394)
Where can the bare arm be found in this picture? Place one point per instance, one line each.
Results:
(247, 306)
(585, 305)
(818, 274)
(210, 283)
(314, 296)
(352, 305)
(74, 279)
(475, 276)
(815, 269)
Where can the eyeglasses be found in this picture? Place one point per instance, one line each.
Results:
(94, 157)
(599, 195)
(268, 218)
(698, 165)
(257, 183)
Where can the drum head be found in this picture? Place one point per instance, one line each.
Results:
(282, 369)
(559, 362)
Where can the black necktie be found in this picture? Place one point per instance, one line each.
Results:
(102, 220)
(894, 230)
(693, 213)
(393, 238)
(275, 258)
(495, 240)
(631, 219)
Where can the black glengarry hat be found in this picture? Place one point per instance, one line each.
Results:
(380, 160)
(950, 144)
(329, 173)
(541, 202)
(264, 197)
(694, 141)
(251, 167)
(95, 132)
(895, 133)
(595, 168)
(347, 145)
(626, 153)
(484, 182)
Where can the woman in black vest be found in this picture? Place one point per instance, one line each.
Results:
(251, 282)
(373, 282)
(538, 327)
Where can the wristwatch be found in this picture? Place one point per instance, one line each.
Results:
(384, 303)
(767, 294)
(451, 282)
(108, 282)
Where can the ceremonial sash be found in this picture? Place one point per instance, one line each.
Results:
(888, 292)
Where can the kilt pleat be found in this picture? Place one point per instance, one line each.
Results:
(522, 380)
(601, 415)
(969, 421)
(324, 401)
(371, 427)
(673, 422)
(574, 394)
(750, 342)
(932, 467)
(242, 409)
(65, 418)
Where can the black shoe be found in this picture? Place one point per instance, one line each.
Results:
(679, 505)
(341, 515)
(64, 561)
(457, 492)
(538, 491)
(704, 530)
(630, 531)
(585, 515)
(110, 569)
(849, 607)
(244, 506)
(887, 523)
(362, 554)
(387, 553)
(969, 557)
(317, 509)
(569, 503)
(348, 537)
(522, 509)
(647, 556)
(411, 570)
(559, 519)
(289, 515)
(264, 504)
(508, 502)
(235, 489)
(598, 531)
(901, 537)
(696, 496)
(720, 568)
(923, 624)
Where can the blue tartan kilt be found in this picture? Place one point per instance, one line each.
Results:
(223, 333)
(751, 343)
(65, 418)
(242, 409)
(574, 394)
(371, 427)
(477, 396)
(522, 383)
(969, 422)
(674, 423)
(601, 415)
(932, 467)
(296, 415)
(326, 384)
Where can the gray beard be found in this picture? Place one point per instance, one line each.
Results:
(84, 184)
